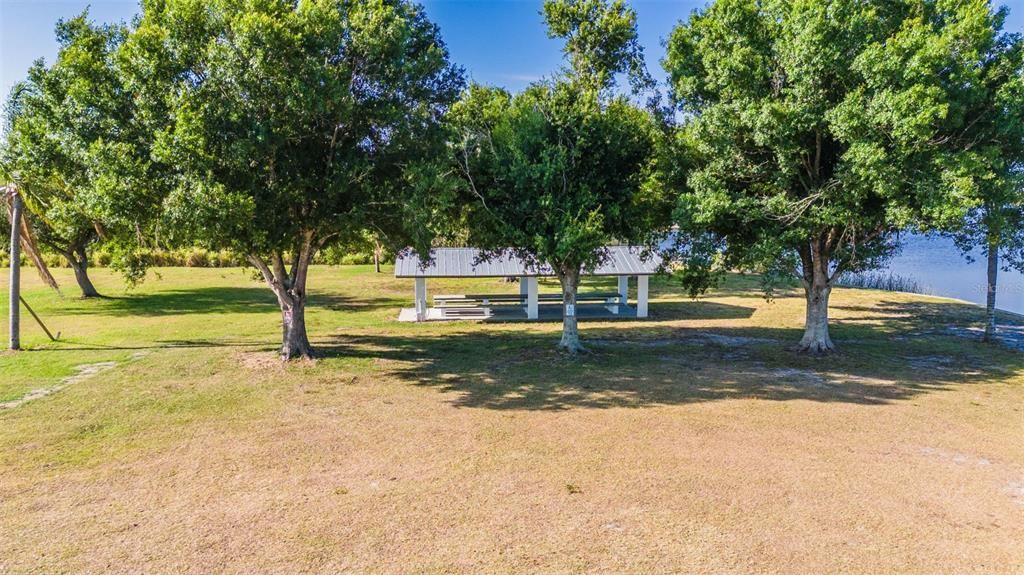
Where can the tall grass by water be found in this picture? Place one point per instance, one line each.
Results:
(886, 281)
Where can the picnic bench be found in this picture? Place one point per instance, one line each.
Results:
(485, 300)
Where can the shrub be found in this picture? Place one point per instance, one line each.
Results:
(356, 259)
(196, 258)
(193, 257)
(348, 255)
(55, 260)
(225, 259)
(158, 258)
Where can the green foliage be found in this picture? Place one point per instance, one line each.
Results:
(319, 118)
(600, 41)
(102, 257)
(881, 281)
(357, 251)
(565, 167)
(559, 171)
(293, 126)
(553, 175)
(76, 150)
(814, 129)
(988, 137)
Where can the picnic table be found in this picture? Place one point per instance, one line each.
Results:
(485, 300)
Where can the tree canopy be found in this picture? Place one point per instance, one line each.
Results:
(77, 153)
(814, 129)
(555, 173)
(989, 140)
(294, 125)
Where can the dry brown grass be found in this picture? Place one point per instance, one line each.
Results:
(691, 443)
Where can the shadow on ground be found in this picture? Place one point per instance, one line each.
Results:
(923, 317)
(635, 366)
(891, 352)
(212, 300)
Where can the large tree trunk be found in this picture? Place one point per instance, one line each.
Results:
(816, 338)
(294, 341)
(79, 262)
(817, 289)
(290, 289)
(990, 300)
(569, 278)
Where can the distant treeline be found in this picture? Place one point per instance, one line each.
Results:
(197, 257)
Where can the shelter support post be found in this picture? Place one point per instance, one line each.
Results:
(623, 293)
(531, 297)
(641, 296)
(421, 299)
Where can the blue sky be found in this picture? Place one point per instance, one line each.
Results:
(498, 42)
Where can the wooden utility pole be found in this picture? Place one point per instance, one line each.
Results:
(378, 251)
(15, 292)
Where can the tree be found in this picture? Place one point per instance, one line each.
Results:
(67, 127)
(56, 215)
(295, 125)
(815, 129)
(989, 137)
(555, 173)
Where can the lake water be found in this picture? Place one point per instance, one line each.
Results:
(938, 267)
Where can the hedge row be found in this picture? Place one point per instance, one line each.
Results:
(194, 258)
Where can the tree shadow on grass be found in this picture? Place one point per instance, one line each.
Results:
(76, 345)
(697, 310)
(212, 300)
(886, 356)
(909, 320)
(664, 312)
(923, 317)
(520, 370)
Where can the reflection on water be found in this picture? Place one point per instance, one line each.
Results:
(937, 265)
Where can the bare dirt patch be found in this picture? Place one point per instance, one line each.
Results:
(260, 360)
(700, 338)
(1016, 491)
(954, 457)
(939, 362)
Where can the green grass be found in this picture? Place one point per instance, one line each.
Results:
(463, 407)
(190, 323)
(202, 316)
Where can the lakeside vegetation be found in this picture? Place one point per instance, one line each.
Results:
(883, 281)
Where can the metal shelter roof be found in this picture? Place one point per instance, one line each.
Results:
(466, 262)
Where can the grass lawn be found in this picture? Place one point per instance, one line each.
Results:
(689, 442)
